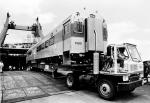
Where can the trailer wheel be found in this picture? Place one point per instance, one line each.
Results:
(106, 89)
(72, 81)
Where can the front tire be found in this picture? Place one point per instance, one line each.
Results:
(72, 81)
(106, 89)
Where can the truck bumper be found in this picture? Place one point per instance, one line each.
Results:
(129, 85)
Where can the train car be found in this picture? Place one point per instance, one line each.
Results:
(71, 42)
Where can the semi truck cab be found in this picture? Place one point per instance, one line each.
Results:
(125, 59)
(120, 73)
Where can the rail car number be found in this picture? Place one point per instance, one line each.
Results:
(78, 43)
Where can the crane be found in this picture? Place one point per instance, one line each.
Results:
(35, 28)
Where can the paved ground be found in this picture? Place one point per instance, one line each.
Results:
(33, 87)
(23, 85)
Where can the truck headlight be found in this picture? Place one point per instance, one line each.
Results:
(125, 78)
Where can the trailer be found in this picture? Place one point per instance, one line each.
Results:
(78, 46)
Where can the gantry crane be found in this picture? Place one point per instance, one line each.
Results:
(35, 28)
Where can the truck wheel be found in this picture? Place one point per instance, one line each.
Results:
(106, 89)
(72, 81)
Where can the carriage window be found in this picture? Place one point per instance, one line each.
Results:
(46, 43)
(51, 41)
(37, 49)
(67, 28)
(42, 45)
(105, 34)
(78, 27)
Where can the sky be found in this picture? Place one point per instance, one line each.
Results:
(127, 20)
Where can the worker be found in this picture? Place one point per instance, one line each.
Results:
(121, 56)
(1, 66)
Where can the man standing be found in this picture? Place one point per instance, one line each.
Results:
(1, 66)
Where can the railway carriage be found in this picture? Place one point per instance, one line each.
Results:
(71, 42)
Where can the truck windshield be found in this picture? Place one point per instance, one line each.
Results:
(134, 53)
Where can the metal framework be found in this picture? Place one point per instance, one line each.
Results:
(35, 28)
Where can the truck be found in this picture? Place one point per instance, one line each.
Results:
(78, 47)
